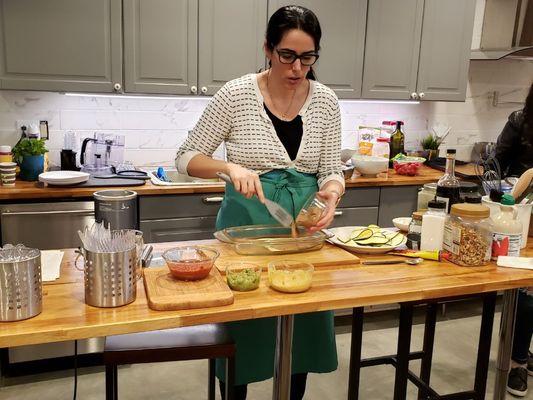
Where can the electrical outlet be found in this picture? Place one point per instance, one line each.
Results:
(25, 122)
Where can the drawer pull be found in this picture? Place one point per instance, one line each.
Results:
(214, 199)
(337, 213)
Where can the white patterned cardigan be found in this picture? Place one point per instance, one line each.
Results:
(236, 116)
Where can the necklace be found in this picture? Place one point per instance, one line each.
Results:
(283, 114)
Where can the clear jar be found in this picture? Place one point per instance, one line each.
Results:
(425, 195)
(468, 235)
(415, 231)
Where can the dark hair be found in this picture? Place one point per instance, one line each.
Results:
(528, 108)
(293, 17)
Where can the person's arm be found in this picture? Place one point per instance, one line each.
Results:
(330, 176)
(194, 156)
(507, 141)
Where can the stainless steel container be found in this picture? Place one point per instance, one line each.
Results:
(110, 278)
(20, 283)
(117, 208)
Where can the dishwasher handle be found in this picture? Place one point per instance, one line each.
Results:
(88, 213)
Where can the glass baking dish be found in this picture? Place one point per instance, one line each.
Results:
(270, 239)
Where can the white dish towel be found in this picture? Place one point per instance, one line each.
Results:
(50, 264)
(515, 262)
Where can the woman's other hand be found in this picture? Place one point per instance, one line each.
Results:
(331, 199)
(245, 181)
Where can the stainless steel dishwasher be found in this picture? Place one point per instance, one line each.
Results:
(47, 226)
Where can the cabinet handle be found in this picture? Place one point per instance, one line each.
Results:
(87, 213)
(414, 96)
(214, 199)
(117, 87)
(203, 90)
(422, 95)
(194, 89)
(337, 213)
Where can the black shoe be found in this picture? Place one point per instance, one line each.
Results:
(517, 382)
(529, 363)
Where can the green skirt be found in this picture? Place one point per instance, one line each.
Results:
(313, 346)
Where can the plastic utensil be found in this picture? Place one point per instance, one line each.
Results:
(161, 174)
(410, 261)
(277, 211)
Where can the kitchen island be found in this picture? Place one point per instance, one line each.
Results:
(65, 316)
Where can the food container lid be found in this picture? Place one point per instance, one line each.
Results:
(430, 186)
(473, 199)
(417, 215)
(383, 139)
(468, 187)
(470, 210)
(5, 149)
(440, 205)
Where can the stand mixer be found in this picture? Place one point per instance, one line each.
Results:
(102, 152)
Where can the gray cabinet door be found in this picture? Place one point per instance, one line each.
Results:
(392, 48)
(160, 46)
(230, 41)
(445, 49)
(395, 202)
(340, 65)
(63, 45)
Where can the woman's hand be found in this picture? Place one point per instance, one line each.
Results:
(245, 181)
(331, 199)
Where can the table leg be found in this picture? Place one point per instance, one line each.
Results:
(355, 353)
(282, 362)
(404, 348)
(505, 342)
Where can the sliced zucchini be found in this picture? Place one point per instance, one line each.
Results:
(396, 240)
(344, 239)
(376, 239)
(362, 234)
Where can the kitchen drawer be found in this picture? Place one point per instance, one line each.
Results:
(173, 230)
(398, 201)
(360, 197)
(185, 205)
(359, 216)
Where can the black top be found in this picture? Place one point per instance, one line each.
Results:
(514, 149)
(289, 132)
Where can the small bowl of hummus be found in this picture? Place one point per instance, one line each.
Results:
(243, 277)
(290, 276)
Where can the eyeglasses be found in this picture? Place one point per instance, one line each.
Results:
(289, 57)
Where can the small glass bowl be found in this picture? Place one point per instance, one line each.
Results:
(243, 276)
(312, 211)
(190, 263)
(290, 276)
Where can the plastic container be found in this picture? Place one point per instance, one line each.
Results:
(425, 195)
(506, 230)
(5, 154)
(290, 276)
(190, 263)
(468, 235)
(523, 214)
(407, 165)
(381, 148)
(433, 226)
(243, 277)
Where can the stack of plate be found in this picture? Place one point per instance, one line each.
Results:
(63, 178)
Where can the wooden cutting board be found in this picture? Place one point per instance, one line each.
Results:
(329, 256)
(166, 293)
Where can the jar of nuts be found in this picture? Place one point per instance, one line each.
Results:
(468, 235)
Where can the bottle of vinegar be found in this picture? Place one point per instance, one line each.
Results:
(448, 187)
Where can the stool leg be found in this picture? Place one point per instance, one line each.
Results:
(211, 380)
(230, 378)
(111, 382)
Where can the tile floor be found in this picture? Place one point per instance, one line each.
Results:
(454, 360)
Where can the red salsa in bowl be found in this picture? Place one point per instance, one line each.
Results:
(190, 263)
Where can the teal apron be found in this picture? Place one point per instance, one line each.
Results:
(313, 346)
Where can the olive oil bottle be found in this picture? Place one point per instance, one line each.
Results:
(397, 140)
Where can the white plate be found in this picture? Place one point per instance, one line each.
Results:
(63, 177)
(345, 231)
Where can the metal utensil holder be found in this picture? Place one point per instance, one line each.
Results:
(110, 278)
(21, 292)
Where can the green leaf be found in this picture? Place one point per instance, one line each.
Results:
(28, 147)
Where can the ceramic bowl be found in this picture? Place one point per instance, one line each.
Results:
(370, 165)
(402, 223)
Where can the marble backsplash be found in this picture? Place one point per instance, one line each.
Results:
(154, 128)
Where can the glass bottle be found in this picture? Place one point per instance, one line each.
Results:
(397, 140)
(448, 187)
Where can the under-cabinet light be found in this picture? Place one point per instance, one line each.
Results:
(406, 102)
(132, 96)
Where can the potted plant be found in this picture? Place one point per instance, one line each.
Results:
(29, 155)
(430, 145)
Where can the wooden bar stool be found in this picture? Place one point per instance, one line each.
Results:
(209, 341)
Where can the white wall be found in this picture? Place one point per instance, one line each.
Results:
(154, 128)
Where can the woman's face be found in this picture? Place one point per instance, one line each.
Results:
(296, 42)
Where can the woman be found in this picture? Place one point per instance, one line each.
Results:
(282, 135)
(514, 151)
(514, 148)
